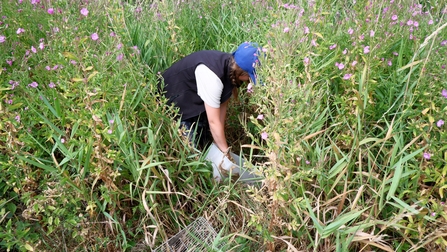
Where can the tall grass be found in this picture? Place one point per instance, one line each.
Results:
(347, 126)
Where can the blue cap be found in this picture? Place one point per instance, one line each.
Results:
(246, 57)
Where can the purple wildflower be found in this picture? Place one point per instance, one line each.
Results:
(33, 84)
(306, 61)
(84, 12)
(95, 36)
(366, 49)
(264, 135)
(444, 93)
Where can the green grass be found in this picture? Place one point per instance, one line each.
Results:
(354, 160)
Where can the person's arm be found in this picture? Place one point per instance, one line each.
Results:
(223, 111)
(209, 88)
(216, 120)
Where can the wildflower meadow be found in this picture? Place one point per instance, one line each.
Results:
(347, 125)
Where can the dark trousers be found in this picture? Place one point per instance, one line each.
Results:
(197, 130)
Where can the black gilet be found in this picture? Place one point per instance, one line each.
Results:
(180, 85)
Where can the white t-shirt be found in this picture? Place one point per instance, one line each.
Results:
(209, 86)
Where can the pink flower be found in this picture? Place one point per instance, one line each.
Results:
(119, 57)
(286, 29)
(41, 46)
(354, 63)
(250, 88)
(33, 84)
(430, 22)
(306, 30)
(394, 17)
(17, 118)
(2, 39)
(50, 11)
(109, 131)
(14, 84)
(427, 155)
(111, 121)
(332, 46)
(314, 42)
(350, 31)
(345, 51)
(20, 30)
(347, 76)
(307, 162)
(444, 93)
(339, 65)
(94, 36)
(366, 49)
(390, 63)
(264, 135)
(306, 61)
(62, 140)
(440, 123)
(371, 33)
(410, 22)
(33, 49)
(416, 24)
(51, 85)
(260, 117)
(84, 12)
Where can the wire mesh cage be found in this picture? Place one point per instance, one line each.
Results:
(197, 236)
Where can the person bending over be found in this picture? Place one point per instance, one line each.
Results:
(201, 84)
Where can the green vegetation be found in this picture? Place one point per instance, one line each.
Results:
(348, 126)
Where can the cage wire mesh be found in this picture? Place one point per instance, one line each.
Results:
(197, 236)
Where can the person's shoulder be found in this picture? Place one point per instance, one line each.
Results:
(215, 52)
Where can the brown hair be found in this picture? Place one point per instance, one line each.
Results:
(235, 73)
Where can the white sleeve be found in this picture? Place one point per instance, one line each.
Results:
(209, 86)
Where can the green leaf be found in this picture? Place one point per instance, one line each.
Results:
(70, 55)
(37, 164)
(398, 172)
(29, 247)
(339, 221)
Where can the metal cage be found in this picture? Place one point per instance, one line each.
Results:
(197, 236)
